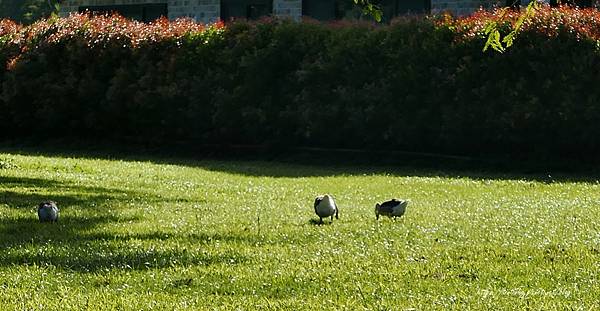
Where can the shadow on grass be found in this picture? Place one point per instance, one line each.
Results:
(22, 231)
(102, 258)
(76, 242)
(31, 201)
(54, 185)
(336, 163)
(32, 191)
(72, 244)
(316, 222)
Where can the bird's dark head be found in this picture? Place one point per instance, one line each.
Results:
(47, 204)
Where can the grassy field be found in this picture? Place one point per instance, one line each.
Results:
(163, 234)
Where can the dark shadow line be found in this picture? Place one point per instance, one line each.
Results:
(318, 162)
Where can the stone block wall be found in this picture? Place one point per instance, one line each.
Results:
(68, 6)
(205, 11)
(208, 11)
(288, 8)
(462, 7)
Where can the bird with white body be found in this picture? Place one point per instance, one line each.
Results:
(392, 208)
(48, 211)
(325, 207)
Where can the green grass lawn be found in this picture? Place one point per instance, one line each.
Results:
(164, 234)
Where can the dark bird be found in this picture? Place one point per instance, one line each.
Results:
(325, 207)
(48, 211)
(393, 208)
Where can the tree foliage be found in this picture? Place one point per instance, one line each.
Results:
(492, 29)
(370, 9)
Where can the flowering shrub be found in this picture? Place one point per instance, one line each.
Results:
(8, 27)
(583, 23)
(538, 97)
(416, 84)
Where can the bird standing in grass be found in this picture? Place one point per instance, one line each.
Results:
(392, 208)
(48, 211)
(325, 207)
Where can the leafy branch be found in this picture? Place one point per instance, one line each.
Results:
(492, 29)
(369, 8)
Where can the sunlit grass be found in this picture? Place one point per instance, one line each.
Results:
(194, 235)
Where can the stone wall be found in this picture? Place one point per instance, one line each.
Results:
(288, 8)
(205, 11)
(462, 7)
(208, 11)
(68, 6)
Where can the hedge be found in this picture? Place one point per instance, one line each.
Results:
(418, 84)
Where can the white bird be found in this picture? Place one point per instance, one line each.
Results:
(325, 207)
(48, 211)
(392, 208)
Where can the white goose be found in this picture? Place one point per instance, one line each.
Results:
(392, 208)
(48, 211)
(325, 207)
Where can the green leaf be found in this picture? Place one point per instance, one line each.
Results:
(370, 9)
(493, 34)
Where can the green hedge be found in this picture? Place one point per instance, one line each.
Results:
(415, 85)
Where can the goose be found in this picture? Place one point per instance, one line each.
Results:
(325, 207)
(392, 208)
(48, 211)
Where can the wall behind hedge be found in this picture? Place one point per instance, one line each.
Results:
(416, 85)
